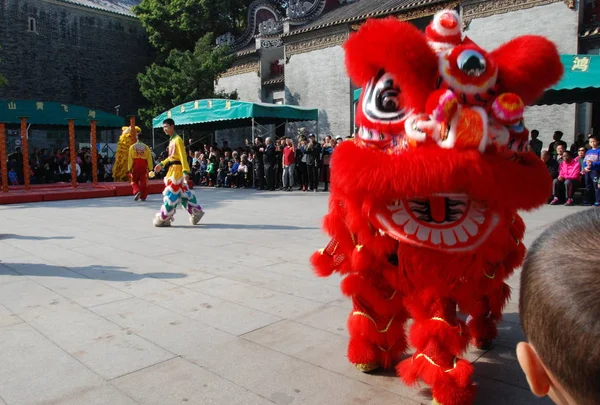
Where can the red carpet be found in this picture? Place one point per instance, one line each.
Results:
(64, 191)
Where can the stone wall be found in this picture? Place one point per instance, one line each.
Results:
(247, 84)
(77, 55)
(318, 79)
(555, 21)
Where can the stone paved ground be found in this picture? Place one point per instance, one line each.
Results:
(99, 307)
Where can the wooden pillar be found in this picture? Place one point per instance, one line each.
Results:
(133, 132)
(94, 153)
(25, 150)
(3, 159)
(72, 153)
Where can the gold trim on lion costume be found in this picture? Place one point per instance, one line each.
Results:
(125, 141)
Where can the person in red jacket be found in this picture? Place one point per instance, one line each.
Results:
(288, 164)
(569, 178)
(139, 165)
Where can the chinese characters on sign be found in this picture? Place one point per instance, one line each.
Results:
(65, 107)
(12, 105)
(39, 105)
(92, 114)
(581, 63)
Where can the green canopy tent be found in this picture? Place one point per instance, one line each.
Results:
(357, 95)
(579, 84)
(52, 113)
(225, 114)
(31, 112)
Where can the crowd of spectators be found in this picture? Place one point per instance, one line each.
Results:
(46, 167)
(282, 164)
(574, 169)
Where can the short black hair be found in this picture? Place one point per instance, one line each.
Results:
(558, 133)
(169, 121)
(535, 132)
(559, 302)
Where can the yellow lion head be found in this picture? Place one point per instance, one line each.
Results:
(127, 130)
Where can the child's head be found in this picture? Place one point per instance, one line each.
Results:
(230, 163)
(594, 143)
(560, 311)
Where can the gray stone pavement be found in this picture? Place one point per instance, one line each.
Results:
(99, 307)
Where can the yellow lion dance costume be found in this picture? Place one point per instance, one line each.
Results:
(125, 141)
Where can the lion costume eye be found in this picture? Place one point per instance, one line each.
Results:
(471, 63)
(382, 99)
(387, 100)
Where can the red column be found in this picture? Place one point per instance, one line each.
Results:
(94, 153)
(3, 159)
(133, 132)
(73, 153)
(25, 150)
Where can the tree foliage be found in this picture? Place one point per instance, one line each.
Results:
(184, 76)
(177, 24)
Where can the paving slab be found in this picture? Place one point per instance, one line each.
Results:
(97, 306)
(178, 381)
(36, 371)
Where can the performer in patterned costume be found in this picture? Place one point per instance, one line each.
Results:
(176, 188)
(138, 165)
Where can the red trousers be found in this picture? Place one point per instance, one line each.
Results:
(139, 178)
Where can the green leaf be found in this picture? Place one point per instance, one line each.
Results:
(184, 76)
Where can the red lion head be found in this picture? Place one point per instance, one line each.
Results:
(447, 189)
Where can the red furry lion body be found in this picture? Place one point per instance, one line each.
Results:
(427, 224)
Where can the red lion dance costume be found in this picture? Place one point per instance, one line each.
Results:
(427, 224)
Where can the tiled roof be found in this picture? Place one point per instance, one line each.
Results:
(591, 32)
(276, 80)
(360, 10)
(250, 49)
(122, 7)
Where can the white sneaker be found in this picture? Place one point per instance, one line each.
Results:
(158, 222)
(196, 217)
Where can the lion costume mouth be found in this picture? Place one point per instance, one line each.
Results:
(448, 222)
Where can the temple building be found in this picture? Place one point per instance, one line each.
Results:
(79, 52)
(298, 58)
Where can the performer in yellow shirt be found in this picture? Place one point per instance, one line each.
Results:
(176, 189)
(139, 164)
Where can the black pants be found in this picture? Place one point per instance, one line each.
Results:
(591, 185)
(326, 176)
(567, 186)
(303, 173)
(260, 177)
(313, 177)
(270, 175)
(278, 176)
